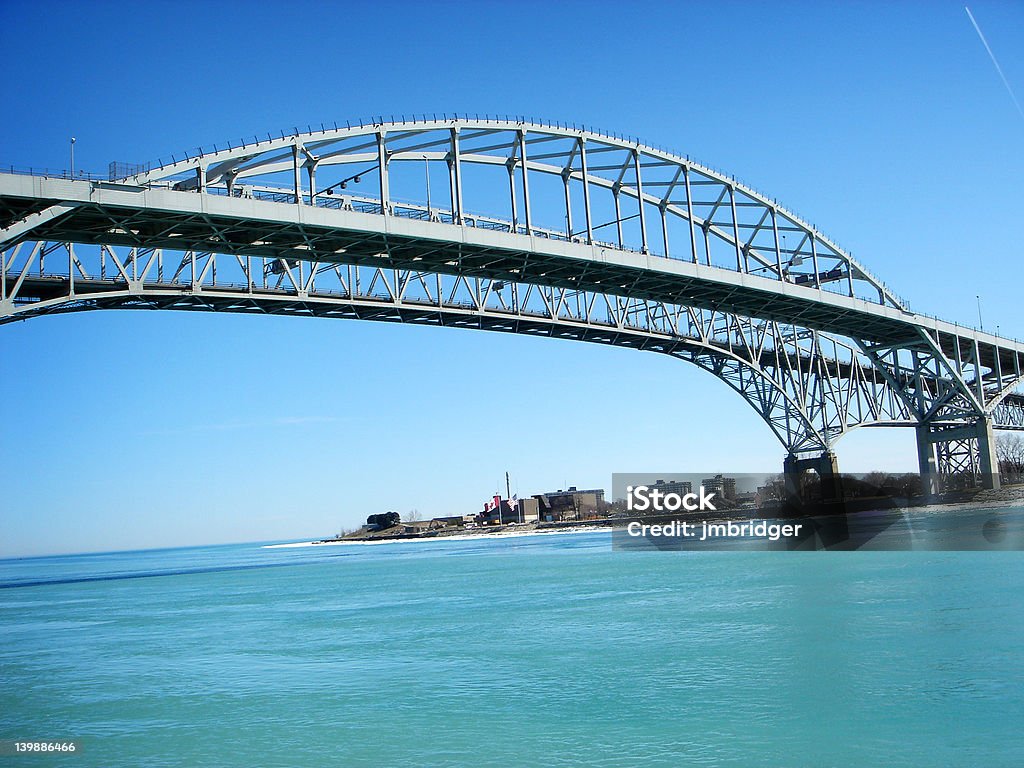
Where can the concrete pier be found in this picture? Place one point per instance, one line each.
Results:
(826, 465)
(945, 450)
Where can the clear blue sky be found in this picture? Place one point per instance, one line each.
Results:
(885, 124)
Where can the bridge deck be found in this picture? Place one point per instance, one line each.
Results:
(146, 217)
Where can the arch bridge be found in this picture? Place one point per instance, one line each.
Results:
(515, 226)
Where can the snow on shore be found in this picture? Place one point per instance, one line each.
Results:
(457, 537)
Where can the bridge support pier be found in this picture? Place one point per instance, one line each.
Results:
(826, 465)
(959, 455)
(926, 463)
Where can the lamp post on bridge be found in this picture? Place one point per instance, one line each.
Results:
(343, 184)
(426, 175)
(73, 157)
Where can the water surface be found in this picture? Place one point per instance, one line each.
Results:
(544, 650)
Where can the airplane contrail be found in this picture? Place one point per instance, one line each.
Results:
(992, 56)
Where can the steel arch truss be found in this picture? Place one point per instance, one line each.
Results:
(559, 182)
(809, 387)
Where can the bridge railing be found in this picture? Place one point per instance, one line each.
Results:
(53, 173)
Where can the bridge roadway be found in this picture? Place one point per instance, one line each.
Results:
(139, 216)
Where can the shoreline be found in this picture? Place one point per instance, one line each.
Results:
(448, 537)
(1003, 499)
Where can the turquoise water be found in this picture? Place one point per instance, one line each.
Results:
(545, 650)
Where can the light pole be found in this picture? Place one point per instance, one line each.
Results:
(981, 324)
(426, 175)
(343, 184)
(72, 157)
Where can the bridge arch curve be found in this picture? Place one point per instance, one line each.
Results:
(761, 236)
(654, 251)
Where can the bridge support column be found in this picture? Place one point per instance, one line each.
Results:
(926, 463)
(826, 465)
(959, 455)
(987, 456)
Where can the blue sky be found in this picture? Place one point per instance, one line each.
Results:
(884, 124)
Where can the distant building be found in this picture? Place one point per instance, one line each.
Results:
(723, 486)
(529, 510)
(382, 521)
(682, 487)
(421, 526)
(572, 504)
(525, 511)
(555, 506)
(457, 521)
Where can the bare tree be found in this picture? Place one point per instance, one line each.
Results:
(1010, 453)
(774, 489)
(878, 479)
(412, 516)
